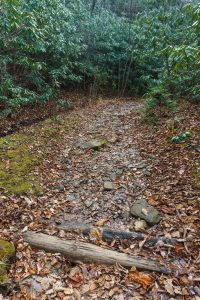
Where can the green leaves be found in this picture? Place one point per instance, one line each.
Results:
(38, 42)
(180, 138)
(48, 43)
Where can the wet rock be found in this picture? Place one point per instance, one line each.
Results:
(7, 250)
(95, 144)
(140, 225)
(143, 210)
(108, 186)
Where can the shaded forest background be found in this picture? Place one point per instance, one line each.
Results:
(99, 46)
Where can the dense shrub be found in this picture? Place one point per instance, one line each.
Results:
(38, 48)
(99, 46)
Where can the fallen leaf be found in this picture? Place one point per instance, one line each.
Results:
(189, 219)
(101, 222)
(97, 234)
(93, 286)
(76, 277)
(142, 278)
(169, 286)
(68, 291)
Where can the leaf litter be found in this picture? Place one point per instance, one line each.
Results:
(71, 177)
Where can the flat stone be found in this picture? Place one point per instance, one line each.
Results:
(37, 283)
(95, 144)
(147, 212)
(108, 186)
(140, 225)
(88, 203)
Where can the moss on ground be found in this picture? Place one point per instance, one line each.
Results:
(16, 165)
(7, 250)
(197, 175)
(18, 161)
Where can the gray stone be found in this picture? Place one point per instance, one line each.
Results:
(143, 210)
(140, 225)
(38, 283)
(197, 290)
(95, 144)
(119, 171)
(88, 203)
(141, 166)
(35, 285)
(126, 215)
(146, 172)
(108, 186)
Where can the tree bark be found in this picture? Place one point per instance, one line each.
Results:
(86, 252)
(109, 234)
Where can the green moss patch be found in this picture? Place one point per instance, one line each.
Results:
(17, 164)
(7, 250)
(17, 159)
(197, 175)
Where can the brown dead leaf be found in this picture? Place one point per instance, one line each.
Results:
(142, 278)
(167, 210)
(76, 277)
(169, 286)
(68, 291)
(76, 176)
(96, 233)
(93, 286)
(101, 222)
(152, 202)
(179, 248)
(189, 219)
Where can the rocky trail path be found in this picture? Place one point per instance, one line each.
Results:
(103, 184)
(96, 171)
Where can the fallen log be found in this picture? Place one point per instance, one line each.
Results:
(108, 234)
(76, 250)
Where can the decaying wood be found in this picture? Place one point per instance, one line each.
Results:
(86, 252)
(109, 234)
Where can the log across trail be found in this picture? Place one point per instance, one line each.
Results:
(86, 252)
(108, 234)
